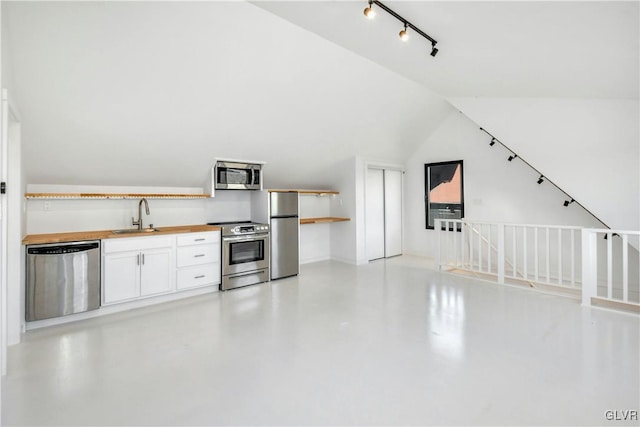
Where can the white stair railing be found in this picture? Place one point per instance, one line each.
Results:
(571, 258)
(611, 267)
(543, 254)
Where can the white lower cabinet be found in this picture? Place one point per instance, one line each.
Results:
(198, 260)
(121, 277)
(138, 267)
(155, 272)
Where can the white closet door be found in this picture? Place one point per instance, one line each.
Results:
(392, 213)
(375, 214)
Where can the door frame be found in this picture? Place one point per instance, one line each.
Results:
(384, 166)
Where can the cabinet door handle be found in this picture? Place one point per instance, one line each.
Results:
(198, 256)
(138, 259)
(200, 276)
(199, 240)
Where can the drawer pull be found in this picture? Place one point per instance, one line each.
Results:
(199, 240)
(200, 276)
(198, 256)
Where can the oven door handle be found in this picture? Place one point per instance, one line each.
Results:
(245, 238)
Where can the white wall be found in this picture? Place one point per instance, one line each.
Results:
(315, 239)
(346, 245)
(17, 226)
(494, 189)
(589, 147)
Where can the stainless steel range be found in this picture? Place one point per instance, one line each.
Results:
(245, 254)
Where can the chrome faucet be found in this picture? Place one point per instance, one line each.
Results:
(139, 221)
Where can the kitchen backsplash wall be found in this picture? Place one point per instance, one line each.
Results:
(59, 215)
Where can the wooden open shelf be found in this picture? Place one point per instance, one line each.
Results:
(312, 192)
(324, 219)
(74, 196)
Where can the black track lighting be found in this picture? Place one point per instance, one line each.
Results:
(541, 178)
(404, 35)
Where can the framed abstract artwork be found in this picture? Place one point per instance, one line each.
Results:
(444, 191)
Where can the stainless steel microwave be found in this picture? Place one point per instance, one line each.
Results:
(238, 176)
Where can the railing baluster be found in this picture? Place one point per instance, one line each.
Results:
(573, 257)
(454, 243)
(548, 256)
(462, 240)
(489, 250)
(559, 256)
(514, 259)
(480, 247)
(445, 238)
(438, 243)
(471, 246)
(525, 273)
(535, 249)
(589, 266)
(609, 265)
(625, 267)
(501, 253)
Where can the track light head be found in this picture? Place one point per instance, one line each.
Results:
(511, 157)
(567, 202)
(541, 179)
(404, 36)
(493, 141)
(369, 12)
(434, 50)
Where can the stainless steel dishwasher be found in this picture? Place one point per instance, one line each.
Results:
(62, 278)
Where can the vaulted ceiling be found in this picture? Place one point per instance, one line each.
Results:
(540, 49)
(150, 93)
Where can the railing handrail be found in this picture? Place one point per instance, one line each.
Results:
(612, 231)
(508, 224)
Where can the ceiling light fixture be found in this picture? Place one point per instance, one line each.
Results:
(369, 12)
(541, 179)
(404, 35)
(493, 141)
(567, 203)
(513, 156)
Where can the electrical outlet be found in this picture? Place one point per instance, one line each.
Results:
(46, 206)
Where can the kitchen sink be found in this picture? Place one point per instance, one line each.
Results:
(135, 231)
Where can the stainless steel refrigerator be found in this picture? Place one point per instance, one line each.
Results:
(284, 222)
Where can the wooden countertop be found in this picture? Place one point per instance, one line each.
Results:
(32, 239)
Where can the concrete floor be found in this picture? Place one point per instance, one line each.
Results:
(390, 343)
